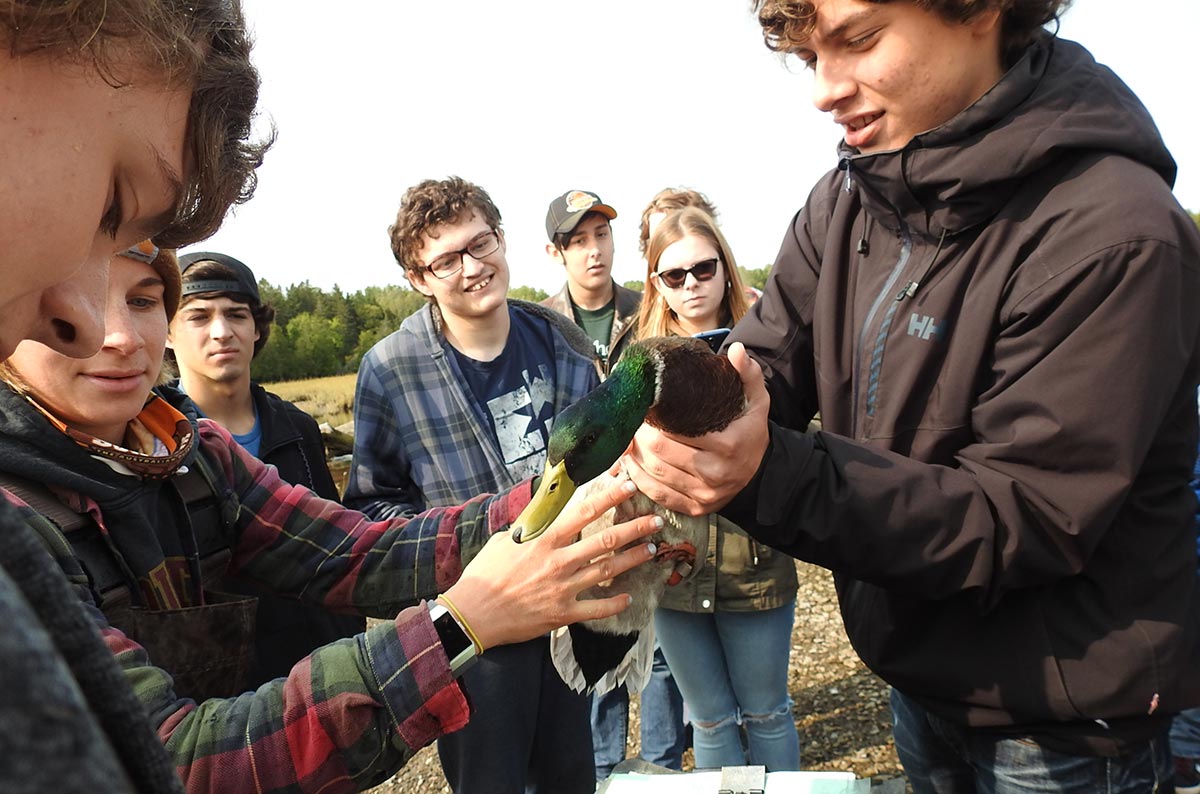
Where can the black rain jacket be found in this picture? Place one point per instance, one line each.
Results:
(1006, 377)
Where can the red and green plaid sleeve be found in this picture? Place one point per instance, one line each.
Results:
(353, 712)
(298, 544)
(346, 717)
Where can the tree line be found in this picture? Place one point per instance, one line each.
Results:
(318, 333)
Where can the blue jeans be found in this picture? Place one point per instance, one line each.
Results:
(732, 670)
(528, 732)
(941, 757)
(1185, 734)
(663, 731)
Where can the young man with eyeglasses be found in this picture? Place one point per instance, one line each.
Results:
(459, 401)
(577, 223)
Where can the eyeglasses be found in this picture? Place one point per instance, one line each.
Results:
(703, 271)
(451, 262)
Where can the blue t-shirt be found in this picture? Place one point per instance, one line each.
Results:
(250, 441)
(514, 393)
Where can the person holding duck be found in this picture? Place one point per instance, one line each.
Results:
(991, 301)
(734, 596)
(726, 632)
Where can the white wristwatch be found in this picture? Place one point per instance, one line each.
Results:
(458, 646)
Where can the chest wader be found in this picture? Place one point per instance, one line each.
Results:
(208, 649)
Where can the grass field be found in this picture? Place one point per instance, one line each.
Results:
(324, 399)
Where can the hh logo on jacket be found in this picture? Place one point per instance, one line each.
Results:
(925, 327)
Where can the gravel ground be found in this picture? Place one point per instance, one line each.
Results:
(841, 708)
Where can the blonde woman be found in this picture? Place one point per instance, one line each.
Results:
(692, 281)
(727, 632)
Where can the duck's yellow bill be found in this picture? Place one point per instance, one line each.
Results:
(552, 496)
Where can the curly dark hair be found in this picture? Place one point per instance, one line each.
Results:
(430, 204)
(787, 24)
(200, 43)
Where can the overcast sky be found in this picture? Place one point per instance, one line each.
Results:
(622, 98)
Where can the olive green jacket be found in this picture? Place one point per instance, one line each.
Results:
(739, 574)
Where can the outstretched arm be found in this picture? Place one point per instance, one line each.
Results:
(354, 711)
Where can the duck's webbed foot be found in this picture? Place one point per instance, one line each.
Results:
(682, 554)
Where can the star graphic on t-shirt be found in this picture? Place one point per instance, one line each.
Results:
(541, 396)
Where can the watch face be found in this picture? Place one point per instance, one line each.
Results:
(454, 639)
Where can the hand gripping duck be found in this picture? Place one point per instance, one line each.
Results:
(673, 383)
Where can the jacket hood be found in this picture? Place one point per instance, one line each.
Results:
(1056, 101)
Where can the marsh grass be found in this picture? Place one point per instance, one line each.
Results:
(324, 399)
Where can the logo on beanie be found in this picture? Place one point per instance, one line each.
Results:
(577, 200)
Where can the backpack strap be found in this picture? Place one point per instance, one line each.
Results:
(198, 490)
(40, 498)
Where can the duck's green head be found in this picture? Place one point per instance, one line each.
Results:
(590, 435)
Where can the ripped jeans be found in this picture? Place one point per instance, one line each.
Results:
(732, 670)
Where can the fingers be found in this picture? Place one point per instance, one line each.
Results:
(596, 608)
(667, 486)
(753, 384)
(611, 566)
(579, 514)
(663, 469)
(662, 456)
(747, 368)
(613, 538)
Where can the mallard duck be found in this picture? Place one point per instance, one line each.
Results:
(676, 384)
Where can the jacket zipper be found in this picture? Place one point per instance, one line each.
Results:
(886, 293)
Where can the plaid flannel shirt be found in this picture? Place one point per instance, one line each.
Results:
(352, 713)
(419, 438)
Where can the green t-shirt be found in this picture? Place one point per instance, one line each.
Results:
(597, 324)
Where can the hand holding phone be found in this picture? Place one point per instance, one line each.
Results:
(714, 337)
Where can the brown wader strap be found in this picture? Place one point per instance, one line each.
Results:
(42, 500)
(209, 650)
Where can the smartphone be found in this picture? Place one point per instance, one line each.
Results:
(714, 337)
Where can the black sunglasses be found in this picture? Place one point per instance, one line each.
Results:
(703, 271)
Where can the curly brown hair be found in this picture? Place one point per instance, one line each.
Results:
(787, 24)
(200, 43)
(430, 204)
